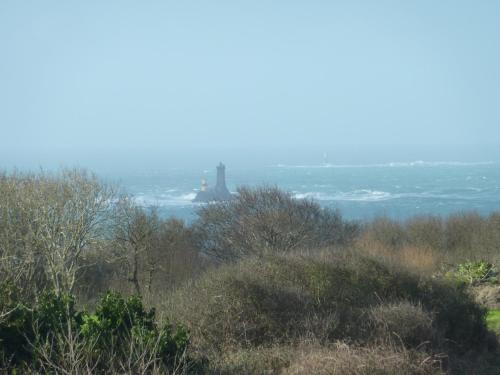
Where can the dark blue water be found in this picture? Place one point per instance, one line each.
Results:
(397, 190)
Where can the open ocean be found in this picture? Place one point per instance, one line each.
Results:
(396, 190)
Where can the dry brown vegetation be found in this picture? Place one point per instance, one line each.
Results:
(265, 284)
(348, 360)
(390, 318)
(429, 243)
(338, 358)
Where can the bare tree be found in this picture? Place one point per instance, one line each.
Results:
(135, 233)
(19, 253)
(156, 254)
(48, 221)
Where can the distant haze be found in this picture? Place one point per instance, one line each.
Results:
(123, 84)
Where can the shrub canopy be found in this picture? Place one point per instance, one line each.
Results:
(265, 220)
(284, 298)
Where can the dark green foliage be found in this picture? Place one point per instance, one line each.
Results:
(54, 312)
(105, 337)
(115, 315)
(116, 321)
(15, 326)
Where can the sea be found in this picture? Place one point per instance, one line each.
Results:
(397, 190)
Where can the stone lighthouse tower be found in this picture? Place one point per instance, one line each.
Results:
(221, 178)
(217, 193)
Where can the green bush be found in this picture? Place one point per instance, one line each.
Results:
(493, 320)
(478, 272)
(40, 336)
(116, 321)
(473, 273)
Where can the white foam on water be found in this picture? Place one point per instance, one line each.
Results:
(416, 163)
(169, 199)
(367, 195)
(165, 200)
(313, 195)
(362, 195)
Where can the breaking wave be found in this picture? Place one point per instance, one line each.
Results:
(169, 199)
(363, 195)
(417, 163)
(165, 200)
(366, 195)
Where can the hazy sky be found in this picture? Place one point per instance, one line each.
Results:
(131, 81)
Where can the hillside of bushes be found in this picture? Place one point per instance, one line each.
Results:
(265, 284)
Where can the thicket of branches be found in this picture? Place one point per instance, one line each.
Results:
(47, 223)
(265, 220)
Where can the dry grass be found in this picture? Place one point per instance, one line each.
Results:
(260, 360)
(488, 295)
(422, 259)
(419, 259)
(428, 243)
(343, 359)
(338, 358)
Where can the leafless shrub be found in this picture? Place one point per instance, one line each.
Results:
(135, 234)
(426, 232)
(61, 352)
(177, 258)
(429, 243)
(152, 254)
(267, 220)
(460, 229)
(403, 322)
(389, 233)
